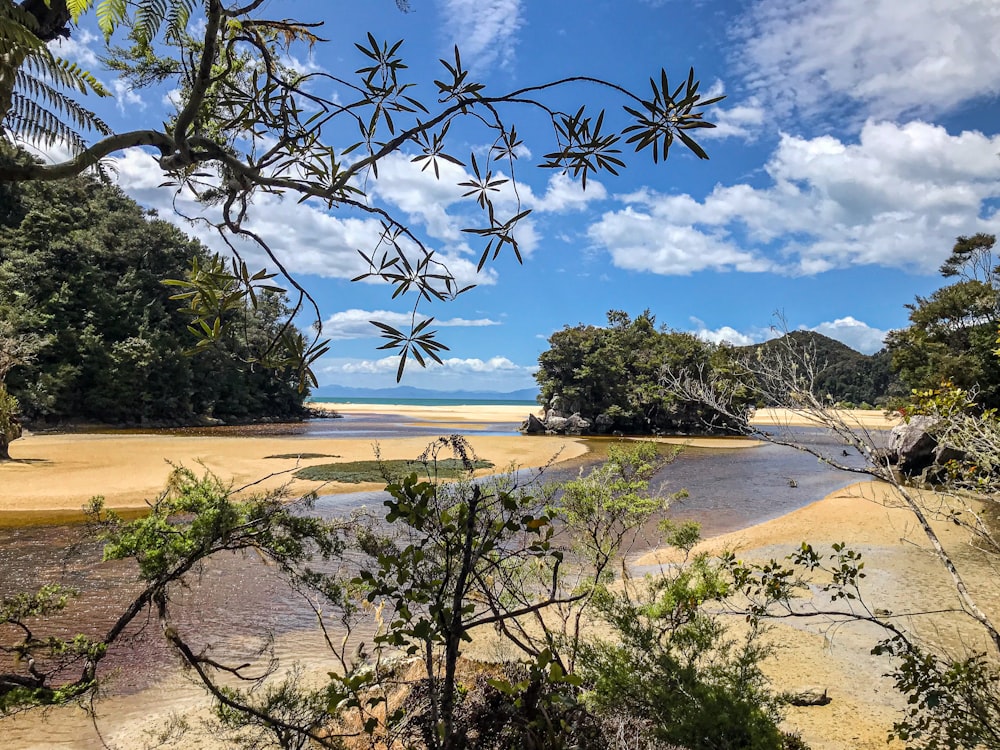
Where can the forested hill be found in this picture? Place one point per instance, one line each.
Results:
(81, 272)
(844, 374)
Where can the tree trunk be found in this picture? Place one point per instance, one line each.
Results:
(4, 451)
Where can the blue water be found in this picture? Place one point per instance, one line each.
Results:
(428, 401)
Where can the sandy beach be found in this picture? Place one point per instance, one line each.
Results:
(902, 576)
(53, 475)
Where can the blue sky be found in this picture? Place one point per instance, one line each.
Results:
(857, 140)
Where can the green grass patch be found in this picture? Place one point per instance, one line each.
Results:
(303, 455)
(355, 472)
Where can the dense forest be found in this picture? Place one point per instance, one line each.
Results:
(82, 298)
(843, 376)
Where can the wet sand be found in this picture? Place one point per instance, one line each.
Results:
(903, 576)
(53, 475)
(58, 471)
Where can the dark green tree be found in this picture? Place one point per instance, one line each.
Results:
(953, 331)
(611, 375)
(82, 268)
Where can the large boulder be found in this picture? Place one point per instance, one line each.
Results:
(576, 425)
(556, 425)
(533, 426)
(913, 444)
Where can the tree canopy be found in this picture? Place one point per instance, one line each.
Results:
(611, 374)
(952, 333)
(82, 268)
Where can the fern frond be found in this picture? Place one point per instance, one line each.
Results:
(77, 8)
(149, 17)
(31, 122)
(178, 17)
(110, 13)
(42, 92)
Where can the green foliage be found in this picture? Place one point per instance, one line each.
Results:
(82, 268)
(355, 472)
(842, 374)
(611, 375)
(164, 548)
(953, 331)
(954, 704)
(700, 688)
(10, 424)
(33, 105)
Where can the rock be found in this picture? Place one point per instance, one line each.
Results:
(533, 426)
(555, 424)
(603, 423)
(556, 408)
(812, 696)
(576, 425)
(946, 453)
(914, 444)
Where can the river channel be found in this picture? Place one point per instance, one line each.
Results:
(237, 598)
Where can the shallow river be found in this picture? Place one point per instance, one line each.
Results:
(238, 597)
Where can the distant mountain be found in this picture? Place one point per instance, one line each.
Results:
(845, 374)
(405, 391)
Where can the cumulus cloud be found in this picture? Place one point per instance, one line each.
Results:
(484, 30)
(855, 333)
(496, 373)
(78, 48)
(891, 56)
(125, 97)
(307, 239)
(641, 240)
(737, 121)
(566, 194)
(355, 324)
(732, 120)
(848, 330)
(729, 335)
(897, 198)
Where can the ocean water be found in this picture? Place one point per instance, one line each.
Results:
(427, 401)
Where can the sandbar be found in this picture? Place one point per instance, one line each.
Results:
(53, 475)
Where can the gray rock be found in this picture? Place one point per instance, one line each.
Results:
(577, 425)
(555, 424)
(914, 444)
(533, 426)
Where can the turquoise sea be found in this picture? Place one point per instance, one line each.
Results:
(427, 401)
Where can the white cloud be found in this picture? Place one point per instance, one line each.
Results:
(125, 97)
(738, 121)
(566, 194)
(897, 198)
(496, 373)
(643, 241)
(855, 333)
(484, 30)
(78, 48)
(729, 335)
(355, 324)
(849, 330)
(731, 120)
(891, 56)
(306, 238)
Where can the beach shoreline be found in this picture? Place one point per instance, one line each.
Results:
(55, 474)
